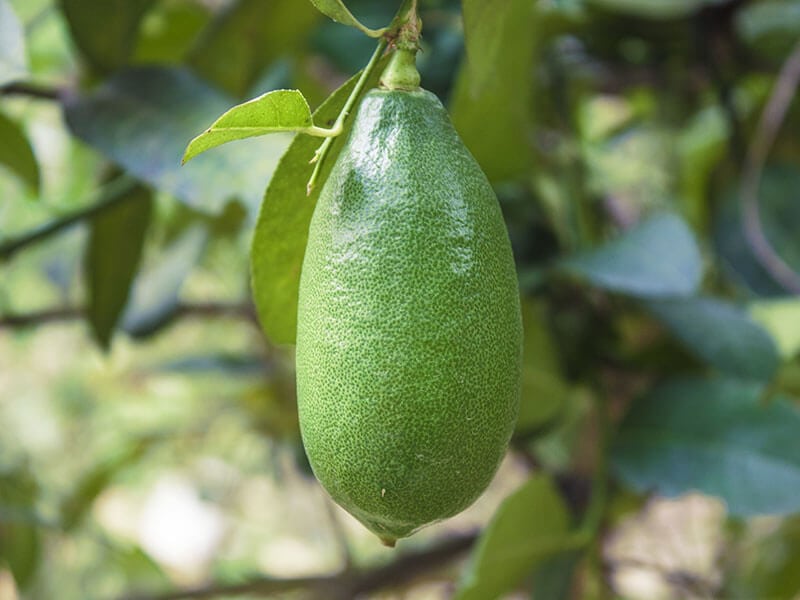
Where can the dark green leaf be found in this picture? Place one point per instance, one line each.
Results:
(279, 241)
(156, 291)
(654, 9)
(13, 63)
(720, 334)
(115, 247)
(168, 31)
(16, 152)
(142, 118)
(105, 32)
(658, 258)
(554, 578)
(248, 37)
(530, 526)
(491, 103)
(715, 436)
(279, 110)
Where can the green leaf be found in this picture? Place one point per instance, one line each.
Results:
(249, 36)
(543, 388)
(720, 334)
(13, 62)
(491, 102)
(279, 241)
(336, 10)
(280, 110)
(115, 247)
(782, 319)
(769, 27)
(105, 32)
(141, 119)
(156, 291)
(529, 526)
(16, 152)
(169, 30)
(715, 436)
(702, 144)
(654, 9)
(20, 543)
(657, 258)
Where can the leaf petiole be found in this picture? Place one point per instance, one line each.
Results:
(330, 134)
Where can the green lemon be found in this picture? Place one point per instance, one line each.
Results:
(409, 332)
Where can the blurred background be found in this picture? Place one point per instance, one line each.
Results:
(647, 159)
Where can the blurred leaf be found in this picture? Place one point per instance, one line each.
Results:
(655, 9)
(715, 436)
(156, 290)
(168, 31)
(720, 334)
(769, 27)
(90, 486)
(554, 577)
(136, 565)
(223, 363)
(543, 388)
(657, 258)
(336, 10)
(113, 255)
(780, 220)
(279, 110)
(491, 101)
(142, 118)
(13, 62)
(249, 36)
(16, 152)
(782, 319)
(20, 543)
(279, 241)
(105, 32)
(702, 144)
(529, 526)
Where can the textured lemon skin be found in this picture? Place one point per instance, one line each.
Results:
(409, 335)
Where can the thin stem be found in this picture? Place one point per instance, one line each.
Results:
(111, 194)
(771, 121)
(243, 310)
(338, 126)
(345, 585)
(408, 9)
(32, 90)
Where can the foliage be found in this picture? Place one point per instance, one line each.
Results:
(662, 341)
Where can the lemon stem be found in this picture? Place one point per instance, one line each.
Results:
(401, 72)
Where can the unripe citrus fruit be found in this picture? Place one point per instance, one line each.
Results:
(409, 332)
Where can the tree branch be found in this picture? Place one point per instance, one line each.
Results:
(110, 195)
(241, 310)
(32, 90)
(343, 586)
(768, 127)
